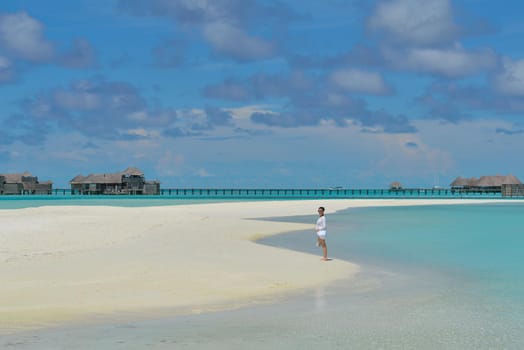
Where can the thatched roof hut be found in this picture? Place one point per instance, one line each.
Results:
(77, 179)
(497, 181)
(112, 178)
(395, 186)
(16, 178)
(462, 182)
(130, 180)
(459, 182)
(103, 178)
(511, 180)
(485, 181)
(24, 183)
(132, 171)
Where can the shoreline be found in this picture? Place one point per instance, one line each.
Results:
(76, 263)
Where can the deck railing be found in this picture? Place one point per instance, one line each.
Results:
(304, 193)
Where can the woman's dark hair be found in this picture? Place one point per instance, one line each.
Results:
(322, 208)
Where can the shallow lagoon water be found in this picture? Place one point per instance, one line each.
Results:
(433, 277)
(32, 201)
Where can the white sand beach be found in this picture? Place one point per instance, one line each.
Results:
(81, 263)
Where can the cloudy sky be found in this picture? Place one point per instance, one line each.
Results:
(261, 93)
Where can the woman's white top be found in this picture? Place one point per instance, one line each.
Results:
(321, 226)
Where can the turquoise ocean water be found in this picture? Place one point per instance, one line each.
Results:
(433, 277)
(450, 276)
(481, 244)
(30, 201)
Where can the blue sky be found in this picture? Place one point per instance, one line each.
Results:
(239, 93)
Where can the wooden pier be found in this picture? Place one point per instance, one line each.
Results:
(322, 193)
(306, 193)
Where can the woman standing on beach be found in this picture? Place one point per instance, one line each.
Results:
(321, 232)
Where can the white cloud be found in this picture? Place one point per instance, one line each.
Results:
(511, 80)
(22, 36)
(143, 133)
(138, 116)
(359, 81)
(479, 152)
(451, 62)
(335, 100)
(170, 163)
(415, 22)
(83, 100)
(6, 70)
(230, 40)
(192, 116)
(245, 112)
(399, 160)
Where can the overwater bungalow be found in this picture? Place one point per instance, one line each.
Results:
(129, 181)
(485, 183)
(395, 186)
(24, 183)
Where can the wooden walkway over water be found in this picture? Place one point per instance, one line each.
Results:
(276, 193)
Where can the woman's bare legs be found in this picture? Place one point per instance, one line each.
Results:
(324, 248)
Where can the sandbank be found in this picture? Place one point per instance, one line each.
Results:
(81, 263)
